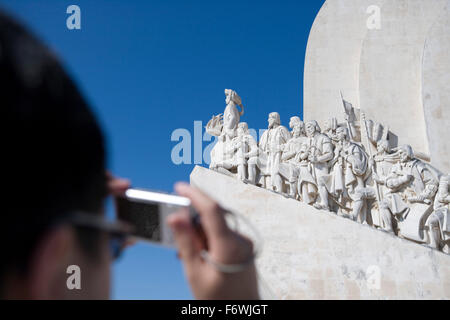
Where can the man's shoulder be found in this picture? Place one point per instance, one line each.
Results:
(283, 130)
(280, 127)
(323, 138)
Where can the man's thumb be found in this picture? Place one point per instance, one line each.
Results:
(184, 235)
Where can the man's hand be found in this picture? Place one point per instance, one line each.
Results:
(116, 188)
(224, 246)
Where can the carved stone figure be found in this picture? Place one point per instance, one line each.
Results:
(381, 163)
(290, 151)
(350, 169)
(223, 155)
(439, 221)
(410, 181)
(247, 154)
(307, 186)
(384, 158)
(271, 144)
(320, 151)
(353, 168)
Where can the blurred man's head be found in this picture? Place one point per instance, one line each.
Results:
(55, 166)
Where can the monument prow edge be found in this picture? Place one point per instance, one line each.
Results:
(316, 254)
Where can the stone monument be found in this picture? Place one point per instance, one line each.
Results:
(332, 201)
(315, 254)
(366, 193)
(350, 170)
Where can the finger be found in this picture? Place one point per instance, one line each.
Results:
(184, 236)
(212, 215)
(118, 186)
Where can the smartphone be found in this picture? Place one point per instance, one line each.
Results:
(147, 212)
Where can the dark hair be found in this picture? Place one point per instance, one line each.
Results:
(52, 146)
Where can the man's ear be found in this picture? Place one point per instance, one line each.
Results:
(47, 268)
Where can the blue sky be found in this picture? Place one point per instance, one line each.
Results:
(150, 67)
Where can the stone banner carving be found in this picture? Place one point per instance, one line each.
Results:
(347, 168)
